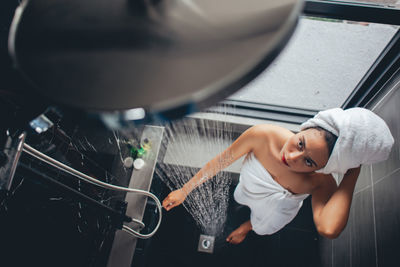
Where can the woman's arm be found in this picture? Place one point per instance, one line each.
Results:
(331, 204)
(243, 145)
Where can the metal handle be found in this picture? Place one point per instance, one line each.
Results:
(61, 166)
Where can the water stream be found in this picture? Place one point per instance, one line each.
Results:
(190, 144)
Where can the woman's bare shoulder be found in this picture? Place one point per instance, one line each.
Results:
(269, 129)
(323, 181)
(264, 136)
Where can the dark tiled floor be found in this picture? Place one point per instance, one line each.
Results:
(175, 243)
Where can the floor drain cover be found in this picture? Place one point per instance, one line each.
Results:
(206, 244)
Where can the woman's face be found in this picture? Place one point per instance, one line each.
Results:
(305, 151)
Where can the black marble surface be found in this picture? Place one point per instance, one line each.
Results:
(42, 225)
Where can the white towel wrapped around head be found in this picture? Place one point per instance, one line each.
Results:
(363, 138)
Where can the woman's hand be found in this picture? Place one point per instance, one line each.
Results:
(243, 145)
(175, 198)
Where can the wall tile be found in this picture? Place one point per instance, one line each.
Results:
(342, 248)
(362, 230)
(325, 251)
(383, 168)
(387, 216)
(388, 109)
(364, 180)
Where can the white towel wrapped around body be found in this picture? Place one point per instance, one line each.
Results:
(271, 205)
(363, 138)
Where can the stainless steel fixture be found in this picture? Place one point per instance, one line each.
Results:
(206, 244)
(168, 57)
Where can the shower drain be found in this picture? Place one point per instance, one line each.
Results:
(206, 244)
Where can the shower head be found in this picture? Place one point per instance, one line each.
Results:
(162, 59)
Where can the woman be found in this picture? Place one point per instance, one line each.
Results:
(282, 168)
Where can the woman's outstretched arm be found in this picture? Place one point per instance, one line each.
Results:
(331, 204)
(243, 145)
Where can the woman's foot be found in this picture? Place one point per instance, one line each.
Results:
(239, 234)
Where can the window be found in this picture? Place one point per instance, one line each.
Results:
(320, 66)
(384, 3)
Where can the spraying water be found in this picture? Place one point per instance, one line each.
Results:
(190, 144)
